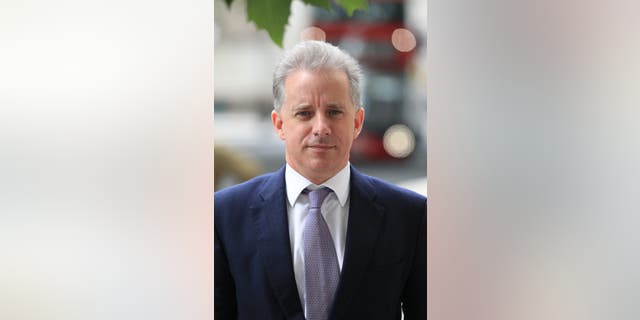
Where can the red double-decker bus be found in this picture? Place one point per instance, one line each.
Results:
(381, 42)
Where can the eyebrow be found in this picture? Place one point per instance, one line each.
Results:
(302, 106)
(306, 106)
(335, 106)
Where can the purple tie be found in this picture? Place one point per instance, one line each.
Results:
(321, 270)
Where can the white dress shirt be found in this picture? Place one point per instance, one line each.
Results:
(335, 210)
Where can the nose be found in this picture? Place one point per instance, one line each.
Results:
(321, 126)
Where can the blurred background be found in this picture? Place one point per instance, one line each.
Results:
(388, 40)
(105, 161)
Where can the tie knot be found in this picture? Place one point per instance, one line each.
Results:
(316, 197)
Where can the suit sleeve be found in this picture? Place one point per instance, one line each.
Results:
(225, 292)
(414, 297)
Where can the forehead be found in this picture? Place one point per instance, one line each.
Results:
(324, 82)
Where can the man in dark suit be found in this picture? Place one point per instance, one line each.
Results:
(317, 239)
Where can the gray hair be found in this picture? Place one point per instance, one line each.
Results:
(316, 55)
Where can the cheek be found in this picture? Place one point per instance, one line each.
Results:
(295, 134)
(300, 131)
(347, 132)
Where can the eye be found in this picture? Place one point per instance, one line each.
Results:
(334, 112)
(303, 114)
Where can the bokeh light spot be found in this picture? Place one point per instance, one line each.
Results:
(313, 33)
(399, 141)
(403, 40)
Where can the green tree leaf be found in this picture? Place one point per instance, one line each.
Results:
(352, 5)
(319, 3)
(273, 15)
(270, 15)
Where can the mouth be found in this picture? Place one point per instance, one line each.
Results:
(320, 147)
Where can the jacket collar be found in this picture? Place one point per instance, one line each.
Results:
(365, 220)
(269, 213)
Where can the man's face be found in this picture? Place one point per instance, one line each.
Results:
(318, 122)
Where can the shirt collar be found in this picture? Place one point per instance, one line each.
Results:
(296, 183)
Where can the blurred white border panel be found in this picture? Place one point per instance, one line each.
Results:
(534, 160)
(106, 159)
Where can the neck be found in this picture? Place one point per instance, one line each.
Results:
(316, 177)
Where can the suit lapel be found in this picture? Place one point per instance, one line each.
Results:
(272, 232)
(365, 220)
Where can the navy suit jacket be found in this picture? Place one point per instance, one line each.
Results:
(385, 253)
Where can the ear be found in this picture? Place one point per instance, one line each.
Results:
(358, 121)
(277, 123)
